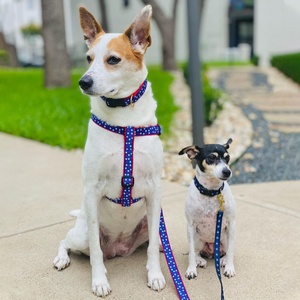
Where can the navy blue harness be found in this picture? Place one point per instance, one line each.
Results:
(220, 212)
(127, 182)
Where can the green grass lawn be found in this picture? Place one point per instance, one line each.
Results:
(59, 117)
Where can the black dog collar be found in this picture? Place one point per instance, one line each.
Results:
(206, 192)
(122, 102)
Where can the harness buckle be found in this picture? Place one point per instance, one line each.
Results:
(124, 184)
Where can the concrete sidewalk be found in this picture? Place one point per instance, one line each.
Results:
(40, 184)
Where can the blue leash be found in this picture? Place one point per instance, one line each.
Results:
(220, 213)
(217, 249)
(173, 268)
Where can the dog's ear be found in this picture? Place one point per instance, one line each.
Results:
(191, 151)
(139, 31)
(228, 143)
(90, 27)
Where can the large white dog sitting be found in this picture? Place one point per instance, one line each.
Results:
(120, 98)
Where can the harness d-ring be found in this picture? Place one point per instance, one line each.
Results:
(132, 104)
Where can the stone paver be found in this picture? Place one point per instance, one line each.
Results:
(230, 123)
(271, 101)
(267, 242)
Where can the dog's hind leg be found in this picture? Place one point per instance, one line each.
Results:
(76, 239)
(195, 246)
(156, 280)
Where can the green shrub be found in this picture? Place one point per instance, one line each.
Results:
(212, 97)
(4, 58)
(288, 64)
(31, 30)
(255, 60)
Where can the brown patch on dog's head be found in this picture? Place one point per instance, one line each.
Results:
(91, 28)
(121, 47)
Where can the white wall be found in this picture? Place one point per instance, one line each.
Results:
(214, 33)
(276, 28)
(119, 19)
(214, 30)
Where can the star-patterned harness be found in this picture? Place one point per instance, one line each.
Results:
(127, 183)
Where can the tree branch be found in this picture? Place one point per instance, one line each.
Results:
(158, 14)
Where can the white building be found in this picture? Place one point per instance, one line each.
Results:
(276, 28)
(272, 27)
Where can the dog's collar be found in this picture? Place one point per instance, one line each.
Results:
(122, 102)
(205, 191)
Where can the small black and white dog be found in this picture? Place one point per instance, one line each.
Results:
(212, 172)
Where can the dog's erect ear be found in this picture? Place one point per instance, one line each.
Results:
(89, 26)
(228, 143)
(191, 151)
(139, 31)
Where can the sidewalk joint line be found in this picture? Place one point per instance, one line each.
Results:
(34, 229)
(271, 208)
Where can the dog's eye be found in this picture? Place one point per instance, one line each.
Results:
(88, 58)
(113, 60)
(227, 158)
(211, 159)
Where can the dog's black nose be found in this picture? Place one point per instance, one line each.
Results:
(86, 82)
(226, 172)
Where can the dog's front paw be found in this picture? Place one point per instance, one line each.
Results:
(156, 281)
(223, 261)
(191, 273)
(201, 262)
(229, 271)
(101, 287)
(61, 261)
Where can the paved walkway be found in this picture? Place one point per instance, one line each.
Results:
(40, 184)
(272, 102)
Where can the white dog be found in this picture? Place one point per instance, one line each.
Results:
(105, 229)
(212, 172)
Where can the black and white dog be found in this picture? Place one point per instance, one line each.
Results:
(212, 172)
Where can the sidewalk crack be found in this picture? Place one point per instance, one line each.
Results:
(34, 229)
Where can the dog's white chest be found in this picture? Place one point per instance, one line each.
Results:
(104, 155)
(201, 212)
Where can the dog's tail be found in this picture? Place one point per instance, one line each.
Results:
(74, 213)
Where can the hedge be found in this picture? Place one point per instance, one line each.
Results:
(288, 64)
(213, 102)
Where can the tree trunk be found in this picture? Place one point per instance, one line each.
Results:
(104, 22)
(11, 50)
(57, 71)
(167, 30)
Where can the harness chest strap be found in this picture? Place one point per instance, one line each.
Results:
(126, 200)
(129, 133)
